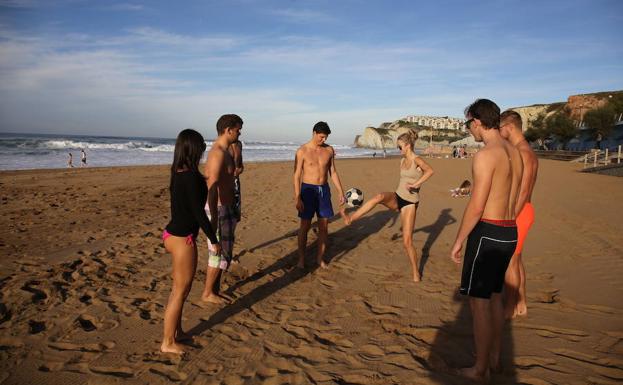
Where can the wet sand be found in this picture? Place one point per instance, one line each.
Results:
(84, 279)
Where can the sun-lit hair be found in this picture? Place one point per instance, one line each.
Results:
(511, 117)
(409, 137)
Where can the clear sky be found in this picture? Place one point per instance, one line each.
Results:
(152, 68)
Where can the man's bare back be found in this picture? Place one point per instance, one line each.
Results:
(530, 170)
(503, 195)
(225, 179)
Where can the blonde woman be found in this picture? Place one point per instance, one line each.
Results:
(414, 171)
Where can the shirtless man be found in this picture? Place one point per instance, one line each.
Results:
(489, 227)
(515, 281)
(220, 172)
(314, 161)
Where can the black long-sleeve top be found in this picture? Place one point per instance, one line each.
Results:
(189, 193)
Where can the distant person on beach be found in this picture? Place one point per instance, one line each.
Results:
(464, 190)
(83, 158)
(489, 227)
(455, 152)
(70, 161)
(220, 169)
(313, 164)
(515, 281)
(189, 193)
(414, 171)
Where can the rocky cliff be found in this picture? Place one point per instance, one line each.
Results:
(576, 106)
(387, 134)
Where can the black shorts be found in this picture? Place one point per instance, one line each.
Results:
(403, 202)
(489, 249)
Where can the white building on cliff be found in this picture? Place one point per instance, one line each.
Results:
(439, 122)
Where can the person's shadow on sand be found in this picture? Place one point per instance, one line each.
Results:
(453, 348)
(434, 230)
(340, 242)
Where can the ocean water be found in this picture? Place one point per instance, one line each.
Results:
(36, 151)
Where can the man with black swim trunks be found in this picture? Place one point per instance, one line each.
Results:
(489, 227)
(314, 161)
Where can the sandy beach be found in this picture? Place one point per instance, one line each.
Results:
(84, 280)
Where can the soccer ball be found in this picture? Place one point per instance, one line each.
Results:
(354, 197)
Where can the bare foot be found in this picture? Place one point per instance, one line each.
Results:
(322, 264)
(213, 298)
(417, 278)
(345, 217)
(472, 374)
(521, 309)
(301, 264)
(510, 312)
(171, 348)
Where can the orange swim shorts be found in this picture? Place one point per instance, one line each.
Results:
(525, 219)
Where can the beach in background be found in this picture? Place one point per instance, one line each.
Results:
(37, 151)
(85, 279)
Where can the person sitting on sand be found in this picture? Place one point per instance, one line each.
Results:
(220, 169)
(313, 163)
(188, 196)
(464, 190)
(414, 171)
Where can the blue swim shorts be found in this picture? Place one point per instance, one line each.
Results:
(316, 200)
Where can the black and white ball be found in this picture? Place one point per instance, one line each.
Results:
(354, 197)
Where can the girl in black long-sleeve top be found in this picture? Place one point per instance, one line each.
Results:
(189, 193)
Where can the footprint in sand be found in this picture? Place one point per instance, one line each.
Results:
(548, 334)
(163, 358)
(52, 366)
(362, 378)
(328, 283)
(371, 352)
(35, 327)
(168, 372)
(333, 339)
(211, 369)
(379, 309)
(297, 332)
(547, 296)
(552, 329)
(97, 347)
(528, 362)
(608, 367)
(117, 371)
(40, 296)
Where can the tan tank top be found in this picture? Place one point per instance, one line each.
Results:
(410, 175)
